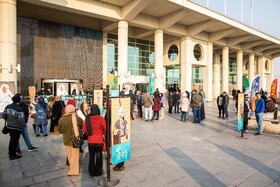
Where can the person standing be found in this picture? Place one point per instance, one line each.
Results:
(139, 101)
(162, 104)
(202, 107)
(25, 130)
(220, 105)
(176, 100)
(148, 103)
(170, 102)
(14, 116)
(236, 100)
(196, 103)
(68, 124)
(225, 105)
(41, 116)
(82, 113)
(246, 113)
(95, 128)
(259, 112)
(156, 106)
(185, 107)
(57, 112)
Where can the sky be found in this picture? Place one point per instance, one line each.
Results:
(265, 16)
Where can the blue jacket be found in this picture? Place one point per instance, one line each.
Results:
(260, 106)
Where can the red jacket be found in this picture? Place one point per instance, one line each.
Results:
(98, 125)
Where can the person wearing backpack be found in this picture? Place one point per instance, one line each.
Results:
(41, 116)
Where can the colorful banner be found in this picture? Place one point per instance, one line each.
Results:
(120, 128)
(240, 113)
(246, 83)
(273, 91)
(255, 87)
(112, 80)
(151, 87)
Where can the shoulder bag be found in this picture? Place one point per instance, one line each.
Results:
(5, 130)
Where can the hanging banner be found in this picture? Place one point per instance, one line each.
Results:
(246, 83)
(151, 87)
(240, 112)
(255, 87)
(112, 80)
(273, 91)
(98, 99)
(120, 128)
(32, 93)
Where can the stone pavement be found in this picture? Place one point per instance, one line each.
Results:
(167, 152)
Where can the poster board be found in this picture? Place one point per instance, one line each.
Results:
(240, 112)
(120, 128)
(98, 99)
(6, 93)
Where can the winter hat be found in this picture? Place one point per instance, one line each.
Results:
(16, 98)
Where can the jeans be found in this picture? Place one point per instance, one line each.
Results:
(45, 129)
(148, 113)
(259, 118)
(184, 116)
(26, 139)
(225, 111)
(221, 109)
(196, 114)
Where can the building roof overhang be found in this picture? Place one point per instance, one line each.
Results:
(177, 18)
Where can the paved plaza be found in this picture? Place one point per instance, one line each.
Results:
(167, 152)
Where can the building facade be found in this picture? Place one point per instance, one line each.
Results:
(97, 42)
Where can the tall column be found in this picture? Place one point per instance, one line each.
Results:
(217, 77)
(8, 41)
(251, 68)
(207, 73)
(239, 74)
(159, 59)
(105, 39)
(122, 51)
(261, 72)
(186, 65)
(270, 76)
(225, 57)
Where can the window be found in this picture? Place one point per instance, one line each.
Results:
(198, 52)
(173, 52)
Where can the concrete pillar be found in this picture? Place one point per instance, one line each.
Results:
(239, 74)
(217, 77)
(159, 60)
(225, 61)
(270, 76)
(207, 73)
(261, 72)
(251, 68)
(186, 65)
(8, 41)
(105, 39)
(122, 51)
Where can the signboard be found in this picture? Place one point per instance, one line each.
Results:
(120, 128)
(32, 93)
(240, 113)
(151, 86)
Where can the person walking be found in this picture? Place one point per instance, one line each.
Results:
(41, 116)
(225, 105)
(25, 130)
(185, 107)
(68, 125)
(259, 112)
(148, 103)
(95, 128)
(220, 105)
(156, 106)
(196, 103)
(246, 113)
(14, 116)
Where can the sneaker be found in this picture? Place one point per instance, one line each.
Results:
(46, 135)
(32, 149)
(18, 152)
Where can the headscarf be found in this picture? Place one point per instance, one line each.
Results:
(94, 110)
(70, 110)
(71, 102)
(42, 102)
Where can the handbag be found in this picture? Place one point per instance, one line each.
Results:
(33, 115)
(5, 129)
(76, 141)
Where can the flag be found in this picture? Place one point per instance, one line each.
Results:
(255, 86)
(273, 91)
(246, 83)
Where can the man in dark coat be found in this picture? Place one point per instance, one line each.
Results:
(15, 118)
(246, 113)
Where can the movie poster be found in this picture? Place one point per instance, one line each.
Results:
(6, 93)
(120, 128)
(98, 99)
(62, 89)
(240, 113)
